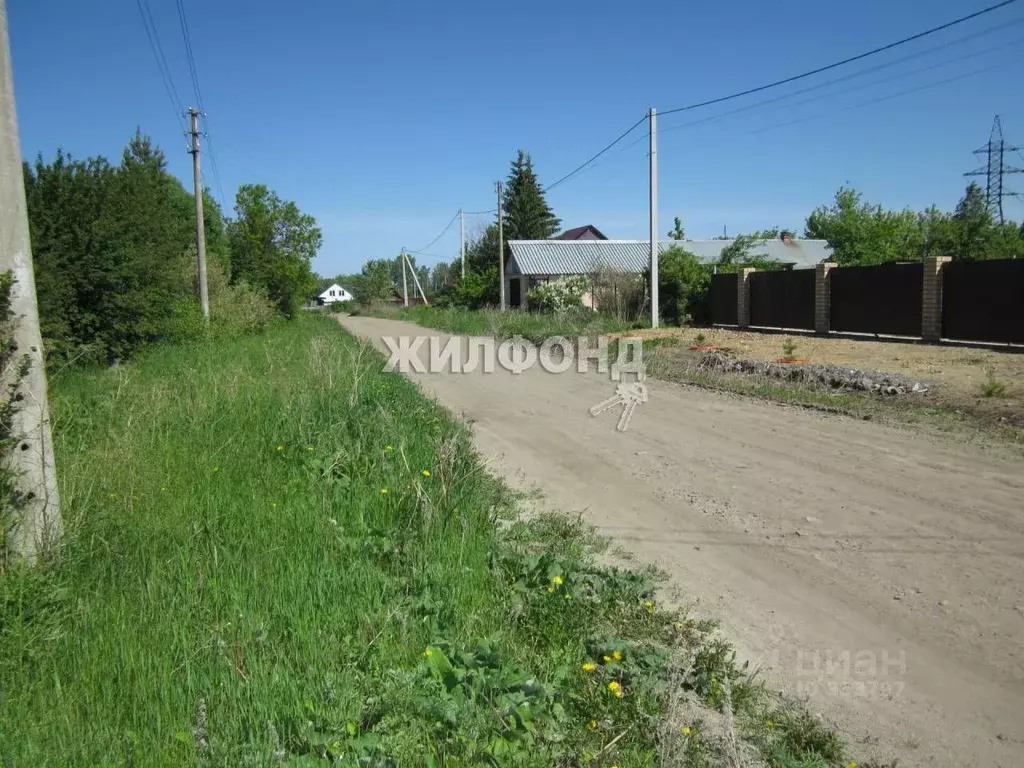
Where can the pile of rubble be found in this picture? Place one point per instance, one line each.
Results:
(833, 376)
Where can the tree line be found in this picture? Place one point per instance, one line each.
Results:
(114, 255)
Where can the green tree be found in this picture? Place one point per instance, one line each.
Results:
(864, 233)
(526, 213)
(374, 282)
(684, 285)
(677, 233)
(272, 245)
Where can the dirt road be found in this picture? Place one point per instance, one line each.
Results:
(878, 572)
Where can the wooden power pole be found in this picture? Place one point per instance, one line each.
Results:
(39, 522)
(197, 184)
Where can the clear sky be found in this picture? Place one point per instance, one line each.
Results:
(383, 118)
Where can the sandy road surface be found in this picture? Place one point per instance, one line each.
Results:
(814, 539)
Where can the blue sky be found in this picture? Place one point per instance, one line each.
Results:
(383, 118)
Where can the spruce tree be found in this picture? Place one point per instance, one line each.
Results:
(527, 215)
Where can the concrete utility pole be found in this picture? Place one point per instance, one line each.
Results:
(654, 217)
(501, 251)
(462, 240)
(405, 283)
(197, 183)
(416, 280)
(36, 484)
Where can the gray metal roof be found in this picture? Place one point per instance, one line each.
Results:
(580, 257)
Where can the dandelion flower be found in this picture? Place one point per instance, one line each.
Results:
(280, 447)
(309, 448)
(617, 655)
(615, 688)
(589, 666)
(383, 491)
(568, 596)
(388, 448)
(425, 473)
(686, 730)
(428, 653)
(592, 725)
(551, 589)
(557, 581)
(852, 765)
(649, 605)
(607, 658)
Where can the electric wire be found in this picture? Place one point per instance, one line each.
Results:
(843, 62)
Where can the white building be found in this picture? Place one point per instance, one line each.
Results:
(333, 295)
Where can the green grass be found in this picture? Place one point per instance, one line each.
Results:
(275, 553)
(530, 325)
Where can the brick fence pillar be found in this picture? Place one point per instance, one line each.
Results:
(931, 299)
(743, 296)
(822, 298)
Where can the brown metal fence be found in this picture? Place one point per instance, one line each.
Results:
(782, 299)
(882, 299)
(983, 301)
(723, 299)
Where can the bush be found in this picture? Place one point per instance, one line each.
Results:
(622, 295)
(558, 295)
(684, 286)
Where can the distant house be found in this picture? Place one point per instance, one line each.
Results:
(586, 232)
(333, 295)
(537, 261)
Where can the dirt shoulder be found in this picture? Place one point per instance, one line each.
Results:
(874, 570)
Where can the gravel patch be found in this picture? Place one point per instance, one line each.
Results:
(834, 376)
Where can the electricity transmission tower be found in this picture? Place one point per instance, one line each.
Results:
(995, 169)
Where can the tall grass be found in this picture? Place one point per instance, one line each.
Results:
(277, 553)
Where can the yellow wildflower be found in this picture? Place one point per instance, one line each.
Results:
(309, 448)
(769, 724)
(383, 491)
(607, 658)
(388, 448)
(650, 606)
(616, 655)
(428, 653)
(589, 666)
(280, 447)
(615, 688)
(852, 765)
(568, 596)
(551, 589)
(686, 730)
(592, 725)
(425, 473)
(557, 580)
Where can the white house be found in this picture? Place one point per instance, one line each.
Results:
(333, 295)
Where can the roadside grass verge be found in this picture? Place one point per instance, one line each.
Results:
(277, 554)
(533, 326)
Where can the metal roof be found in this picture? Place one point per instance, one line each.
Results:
(580, 257)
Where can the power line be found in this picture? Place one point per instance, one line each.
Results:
(887, 97)
(480, 213)
(849, 60)
(197, 90)
(580, 167)
(432, 242)
(882, 81)
(161, 61)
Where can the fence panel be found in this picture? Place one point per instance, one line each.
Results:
(723, 299)
(882, 299)
(983, 301)
(782, 299)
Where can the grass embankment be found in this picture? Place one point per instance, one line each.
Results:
(501, 325)
(277, 554)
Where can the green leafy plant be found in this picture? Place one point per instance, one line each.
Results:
(992, 387)
(701, 340)
(558, 295)
(788, 348)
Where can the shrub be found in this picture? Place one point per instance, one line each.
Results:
(992, 387)
(558, 295)
(684, 286)
(621, 295)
